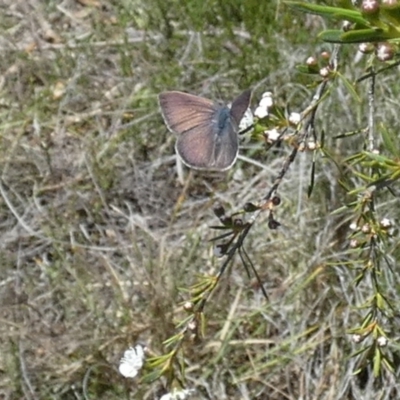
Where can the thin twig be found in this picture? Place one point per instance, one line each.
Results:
(371, 113)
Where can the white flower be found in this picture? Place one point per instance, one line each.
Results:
(357, 338)
(311, 61)
(294, 118)
(386, 223)
(272, 135)
(353, 226)
(261, 112)
(266, 102)
(324, 72)
(382, 341)
(178, 394)
(384, 52)
(132, 361)
(246, 121)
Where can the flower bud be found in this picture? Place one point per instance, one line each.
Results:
(311, 61)
(384, 52)
(325, 55)
(354, 243)
(370, 6)
(273, 224)
(276, 200)
(324, 72)
(366, 48)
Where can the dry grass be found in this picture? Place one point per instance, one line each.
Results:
(98, 236)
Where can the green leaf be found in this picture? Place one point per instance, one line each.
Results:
(357, 353)
(306, 69)
(367, 319)
(331, 36)
(366, 35)
(380, 159)
(350, 87)
(355, 36)
(390, 141)
(329, 12)
(388, 364)
(382, 182)
(391, 13)
(380, 302)
(377, 362)
(151, 377)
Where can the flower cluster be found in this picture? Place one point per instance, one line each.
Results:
(132, 361)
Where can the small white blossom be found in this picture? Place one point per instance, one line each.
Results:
(370, 6)
(353, 226)
(178, 394)
(192, 325)
(266, 100)
(311, 61)
(366, 228)
(366, 48)
(386, 223)
(132, 361)
(272, 135)
(311, 145)
(384, 52)
(357, 338)
(294, 118)
(382, 341)
(188, 306)
(324, 72)
(261, 112)
(354, 243)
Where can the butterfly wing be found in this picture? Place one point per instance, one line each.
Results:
(240, 105)
(183, 112)
(191, 117)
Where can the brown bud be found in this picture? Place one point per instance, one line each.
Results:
(276, 200)
(273, 224)
(311, 61)
(325, 55)
(238, 222)
(219, 211)
(324, 72)
(188, 306)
